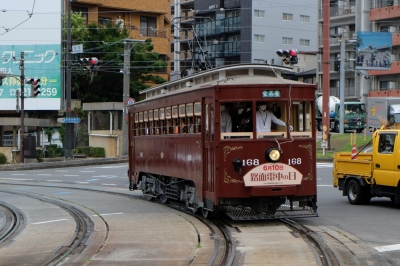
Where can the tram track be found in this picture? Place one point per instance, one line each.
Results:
(14, 223)
(84, 227)
(224, 250)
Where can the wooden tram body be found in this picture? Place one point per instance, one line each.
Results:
(178, 152)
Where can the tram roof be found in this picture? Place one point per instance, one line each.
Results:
(226, 75)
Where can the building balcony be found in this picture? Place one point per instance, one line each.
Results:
(394, 69)
(384, 12)
(344, 10)
(385, 93)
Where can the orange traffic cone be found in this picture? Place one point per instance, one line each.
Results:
(354, 152)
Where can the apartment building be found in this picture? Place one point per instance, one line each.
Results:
(347, 17)
(144, 19)
(213, 33)
(385, 16)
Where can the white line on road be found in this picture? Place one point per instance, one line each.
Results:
(81, 182)
(388, 248)
(53, 221)
(18, 179)
(105, 214)
(108, 184)
(91, 180)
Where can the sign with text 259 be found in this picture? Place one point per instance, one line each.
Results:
(41, 61)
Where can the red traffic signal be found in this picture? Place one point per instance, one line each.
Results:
(34, 87)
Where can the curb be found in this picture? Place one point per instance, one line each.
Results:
(65, 163)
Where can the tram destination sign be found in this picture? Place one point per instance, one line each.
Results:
(271, 94)
(73, 120)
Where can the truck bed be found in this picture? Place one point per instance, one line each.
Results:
(343, 164)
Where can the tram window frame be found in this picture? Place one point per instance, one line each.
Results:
(190, 118)
(276, 131)
(141, 124)
(301, 117)
(157, 128)
(136, 129)
(151, 123)
(197, 117)
(162, 121)
(168, 120)
(146, 123)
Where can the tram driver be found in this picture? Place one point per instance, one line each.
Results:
(264, 119)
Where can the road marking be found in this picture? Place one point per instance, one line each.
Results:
(81, 182)
(111, 176)
(17, 179)
(324, 165)
(53, 221)
(388, 248)
(90, 180)
(71, 175)
(108, 184)
(105, 214)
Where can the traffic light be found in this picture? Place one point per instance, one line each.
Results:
(336, 65)
(34, 87)
(90, 64)
(290, 56)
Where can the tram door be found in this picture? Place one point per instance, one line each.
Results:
(209, 155)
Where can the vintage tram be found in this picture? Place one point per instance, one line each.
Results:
(181, 149)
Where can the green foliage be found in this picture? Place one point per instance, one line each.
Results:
(3, 158)
(61, 132)
(90, 151)
(50, 151)
(342, 143)
(106, 43)
(49, 131)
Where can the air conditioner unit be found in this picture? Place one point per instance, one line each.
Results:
(392, 29)
(392, 57)
(392, 85)
(299, 69)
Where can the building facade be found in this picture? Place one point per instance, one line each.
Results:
(213, 33)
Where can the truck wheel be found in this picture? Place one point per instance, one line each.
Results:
(337, 127)
(356, 194)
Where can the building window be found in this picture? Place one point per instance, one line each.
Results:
(304, 19)
(104, 21)
(287, 41)
(148, 26)
(231, 14)
(308, 80)
(304, 42)
(288, 17)
(259, 13)
(259, 38)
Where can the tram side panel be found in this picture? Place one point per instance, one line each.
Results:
(176, 156)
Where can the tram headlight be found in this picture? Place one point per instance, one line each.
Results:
(237, 164)
(272, 154)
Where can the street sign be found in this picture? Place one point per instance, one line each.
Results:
(130, 101)
(69, 120)
(324, 144)
(77, 49)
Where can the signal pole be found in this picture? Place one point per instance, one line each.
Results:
(125, 94)
(69, 127)
(22, 132)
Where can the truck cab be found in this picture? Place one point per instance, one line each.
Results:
(371, 174)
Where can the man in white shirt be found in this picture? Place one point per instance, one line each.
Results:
(264, 118)
(226, 120)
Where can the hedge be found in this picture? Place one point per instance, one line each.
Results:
(90, 151)
(3, 158)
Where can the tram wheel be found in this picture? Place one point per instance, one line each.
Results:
(163, 198)
(204, 212)
(148, 197)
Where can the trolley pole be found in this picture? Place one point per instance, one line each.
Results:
(341, 82)
(22, 133)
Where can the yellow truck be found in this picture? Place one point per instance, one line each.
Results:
(371, 174)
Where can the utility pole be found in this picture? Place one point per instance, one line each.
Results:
(22, 132)
(341, 83)
(326, 74)
(69, 127)
(125, 94)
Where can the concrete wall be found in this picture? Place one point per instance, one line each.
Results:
(7, 152)
(102, 138)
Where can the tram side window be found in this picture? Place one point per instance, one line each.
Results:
(197, 117)
(189, 118)
(270, 118)
(162, 122)
(301, 122)
(136, 125)
(236, 120)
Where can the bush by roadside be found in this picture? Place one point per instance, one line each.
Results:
(97, 152)
(3, 158)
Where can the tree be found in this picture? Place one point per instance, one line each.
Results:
(105, 42)
(49, 131)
